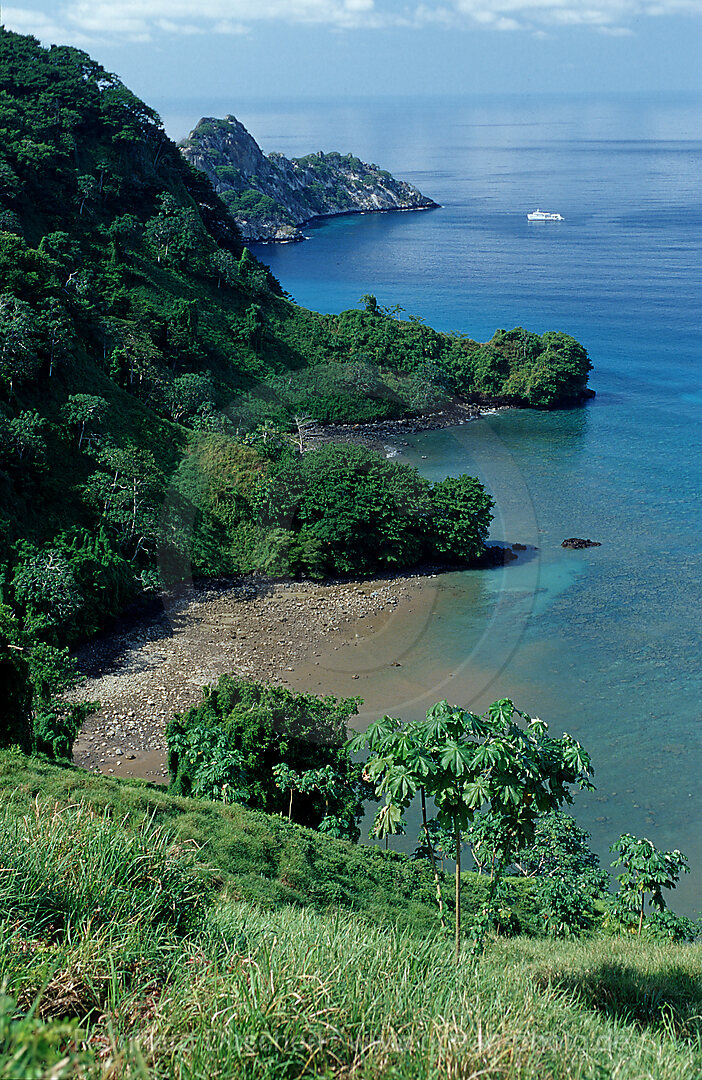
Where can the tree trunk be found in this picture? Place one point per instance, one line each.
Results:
(458, 891)
(641, 913)
(437, 882)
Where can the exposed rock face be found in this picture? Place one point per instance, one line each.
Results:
(576, 543)
(270, 196)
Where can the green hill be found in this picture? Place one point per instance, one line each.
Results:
(156, 385)
(147, 936)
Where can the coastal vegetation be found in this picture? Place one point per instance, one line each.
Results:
(156, 386)
(270, 749)
(157, 389)
(502, 765)
(200, 937)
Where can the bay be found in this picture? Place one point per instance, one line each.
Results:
(606, 642)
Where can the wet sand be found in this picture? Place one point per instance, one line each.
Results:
(331, 638)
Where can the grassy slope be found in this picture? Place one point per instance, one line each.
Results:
(119, 930)
(254, 856)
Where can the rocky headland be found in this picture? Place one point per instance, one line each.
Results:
(271, 196)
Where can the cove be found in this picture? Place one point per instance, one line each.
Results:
(604, 643)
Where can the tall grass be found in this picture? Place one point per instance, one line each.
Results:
(89, 912)
(63, 867)
(298, 994)
(118, 962)
(257, 856)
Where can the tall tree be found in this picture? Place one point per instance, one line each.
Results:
(504, 761)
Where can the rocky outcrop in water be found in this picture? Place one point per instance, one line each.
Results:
(576, 543)
(271, 196)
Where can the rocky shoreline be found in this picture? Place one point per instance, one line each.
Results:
(144, 672)
(272, 197)
(157, 661)
(380, 435)
(285, 236)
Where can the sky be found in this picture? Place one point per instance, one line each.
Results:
(200, 50)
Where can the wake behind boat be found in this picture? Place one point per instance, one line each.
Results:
(544, 215)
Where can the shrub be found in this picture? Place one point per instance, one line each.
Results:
(228, 748)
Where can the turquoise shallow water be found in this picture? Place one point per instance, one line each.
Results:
(603, 642)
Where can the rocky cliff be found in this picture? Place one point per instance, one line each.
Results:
(271, 196)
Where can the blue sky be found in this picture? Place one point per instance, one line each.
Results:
(213, 49)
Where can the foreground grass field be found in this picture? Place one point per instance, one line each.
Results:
(126, 952)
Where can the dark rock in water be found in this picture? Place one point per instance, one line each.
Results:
(576, 543)
(496, 556)
(519, 547)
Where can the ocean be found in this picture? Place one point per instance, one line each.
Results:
(604, 643)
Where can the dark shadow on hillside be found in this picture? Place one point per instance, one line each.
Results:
(669, 1000)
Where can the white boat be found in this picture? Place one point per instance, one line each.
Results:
(544, 215)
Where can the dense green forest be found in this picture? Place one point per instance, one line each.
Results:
(156, 386)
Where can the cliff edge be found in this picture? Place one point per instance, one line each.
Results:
(271, 196)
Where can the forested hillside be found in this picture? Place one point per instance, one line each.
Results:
(152, 372)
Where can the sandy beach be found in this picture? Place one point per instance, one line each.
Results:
(326, 638)
(323, 637)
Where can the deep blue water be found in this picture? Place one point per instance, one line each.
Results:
(604, 643)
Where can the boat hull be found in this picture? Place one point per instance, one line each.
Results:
(543, 215)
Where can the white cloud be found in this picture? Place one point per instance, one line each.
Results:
(45, 27)
(82, 21)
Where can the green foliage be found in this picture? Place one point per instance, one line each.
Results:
(460, 518)
(16, 715)
(352, 511)
(71, 587)
(362, 513)
(127, 491)
(22, 441)
(176, 232)
(35, 678)
(45, 589)
(645, 873)
(252, 204)
(465, 763)
(187, 395)
(19, 342)
(34, 1050)
(558, 369)
(86, 412)
(570, 881)
(55, 720)
(228, 748)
